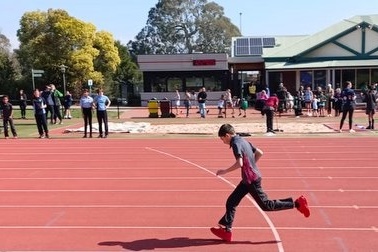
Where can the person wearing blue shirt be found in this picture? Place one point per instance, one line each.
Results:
(101, 103)
(39, 106)
(86, 104)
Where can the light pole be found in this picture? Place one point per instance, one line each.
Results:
(63, 70)
(240, 22)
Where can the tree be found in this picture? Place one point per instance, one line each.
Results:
(50, 39)
(7, 66)
(185, 26)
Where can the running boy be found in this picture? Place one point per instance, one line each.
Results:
(247, 156)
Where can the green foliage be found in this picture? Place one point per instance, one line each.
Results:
(185, 26)
(50, 39)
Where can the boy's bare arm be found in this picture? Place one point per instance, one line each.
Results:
(238, 164)
(258, 154)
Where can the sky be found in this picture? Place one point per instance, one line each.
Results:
(125, 18)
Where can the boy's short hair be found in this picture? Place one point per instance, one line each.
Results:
(226, 129)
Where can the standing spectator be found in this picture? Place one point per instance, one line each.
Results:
(299, 102)
(177, 101)
(252, 92)
(229, 102)
(330, 100)
(46, 95)
(308, 97)
(86, 104)
(202, 97)
(194, 98)
(56, 95)
(220, 106)
(243, 105)
(349, 104)
(7, 114)
(39, 106)
(323, 99)
(187, 102)
(337, 102)
(23, 103)
(260, 102)
(281, 95)
(270, 107)
(369, 98)
(102, 103)
(315, 108)
(67, 105)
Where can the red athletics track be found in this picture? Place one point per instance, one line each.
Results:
(141, 195)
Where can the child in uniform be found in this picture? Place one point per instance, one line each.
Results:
(247, 156)
(7, 114)
(220, 106)
(39, 106)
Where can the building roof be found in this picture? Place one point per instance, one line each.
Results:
(305, 44)
(321, 64)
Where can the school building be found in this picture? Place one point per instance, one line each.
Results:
(345, 51)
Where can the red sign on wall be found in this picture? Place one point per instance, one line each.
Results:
(204, 62)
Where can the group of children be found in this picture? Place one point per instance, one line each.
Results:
(226, 101)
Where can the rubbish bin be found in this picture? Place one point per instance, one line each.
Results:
(165, 108)
(153, 108)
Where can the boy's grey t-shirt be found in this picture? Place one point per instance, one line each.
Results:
(244, 149)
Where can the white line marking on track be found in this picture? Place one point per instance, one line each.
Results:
(352, 229)
(165, 178)
(166, 206)
(266, 217)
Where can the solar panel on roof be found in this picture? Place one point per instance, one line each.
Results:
(255, 50)
(242, 42)
(269, 42)
(255, 41)
(252, 46)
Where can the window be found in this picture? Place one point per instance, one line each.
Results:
(212, 84)
(174, 83)
(374, 75)
(306, 79)
(362, 78)
(320, 79)
(348, 75)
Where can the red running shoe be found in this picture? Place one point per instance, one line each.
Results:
(302, 206)
(222, 233)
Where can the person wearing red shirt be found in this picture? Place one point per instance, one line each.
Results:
(270, 107)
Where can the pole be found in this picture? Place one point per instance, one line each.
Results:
(240, 23)
(64, 83)
(63, 70)
(33, 79)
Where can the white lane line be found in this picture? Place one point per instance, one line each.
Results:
(342, 229)
(266, 217)
(172, 190)
(55, 218)
(165, 178)
(355, 207)
(183, 168)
